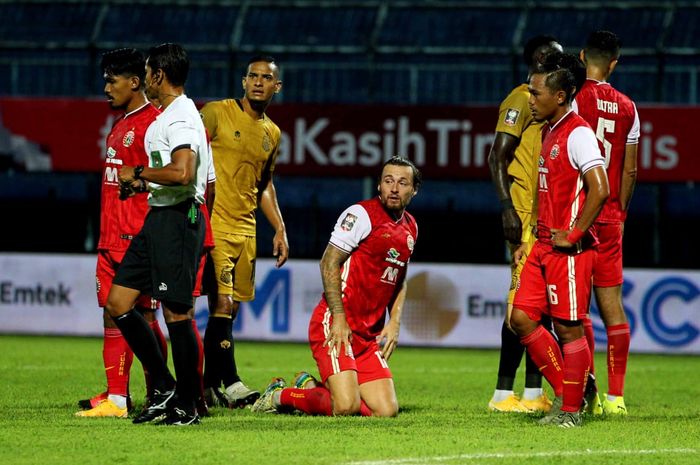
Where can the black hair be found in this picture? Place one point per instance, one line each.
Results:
(124, 62)
(602, 46)
(533, 44)
(266, 58)
(564, 72)
(173, 60)
(398, 160)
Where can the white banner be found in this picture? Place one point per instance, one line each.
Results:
(447, 305)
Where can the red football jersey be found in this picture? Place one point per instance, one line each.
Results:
(380, 249)
(121, 220)
(569, 149)
(614, 119)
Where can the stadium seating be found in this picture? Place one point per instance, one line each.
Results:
(372, 51)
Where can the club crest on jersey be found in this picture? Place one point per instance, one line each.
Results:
(266, 143)
(128, 139)
(348, 222)
(111, 153)
(410, 242)
(237, 135)
(226, 276)
(511, 117)
(555, 152)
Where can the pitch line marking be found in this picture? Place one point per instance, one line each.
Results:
(503, 455)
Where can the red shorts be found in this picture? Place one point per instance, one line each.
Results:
(107, 264)
(208, 245)
(608, 269)
(555, 283)
(366, 358)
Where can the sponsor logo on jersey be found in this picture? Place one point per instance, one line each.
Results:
(128, 139)
(540, 162)
(555, 152)
(348, 222)
(266, 143)
(410, 242)
(163, 287)
(511, 117)
(393, 257)
(111, 153)
(98, 284)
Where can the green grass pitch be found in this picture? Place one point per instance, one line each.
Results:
(443, 420)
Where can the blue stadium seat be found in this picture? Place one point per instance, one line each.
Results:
(311, 26)
(51, 72)
(637, 27)
(449, 27)
(153, 24)
(52, 22)
(685, 29)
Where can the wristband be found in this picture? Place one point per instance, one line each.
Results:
(575, 235)
(137, 171)
(507, 204)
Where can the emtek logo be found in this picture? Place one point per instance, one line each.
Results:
(40, 295)
(273, 293)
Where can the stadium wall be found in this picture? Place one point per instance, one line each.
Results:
(455, 305)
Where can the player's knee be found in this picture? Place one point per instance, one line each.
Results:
(388, 409)
(520, 322)
(346, 406)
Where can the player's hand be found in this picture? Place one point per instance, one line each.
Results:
(280, 247)
(559, 238)
(130, 189)
(512, 226)
(388, 339)
(126, 174)
(339, 335)
(520, 253)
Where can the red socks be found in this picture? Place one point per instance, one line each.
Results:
(545, 352)
(577, 361)
(316, 401)
(590, 338)
(200, 362)
(117, 357)
(618, 353)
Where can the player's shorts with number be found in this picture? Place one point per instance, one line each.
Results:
(366, 357)
(555, 283)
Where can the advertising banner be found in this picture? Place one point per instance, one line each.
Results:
(455, 305)
(344, 140)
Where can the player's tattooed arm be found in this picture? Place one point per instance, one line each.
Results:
(340, 333)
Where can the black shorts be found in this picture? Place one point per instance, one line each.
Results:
(162, 259)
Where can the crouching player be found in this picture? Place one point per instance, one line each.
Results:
(363, 271)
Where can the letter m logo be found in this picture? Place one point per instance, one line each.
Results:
(274, 293)
(111, 174)
(390, 274)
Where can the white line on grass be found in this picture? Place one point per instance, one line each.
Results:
(505, 455)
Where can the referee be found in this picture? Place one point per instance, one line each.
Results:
(162, 259)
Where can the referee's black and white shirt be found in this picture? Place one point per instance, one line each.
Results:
(178, 126)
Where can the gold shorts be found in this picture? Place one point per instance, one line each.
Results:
(528, 238)
(234, 265)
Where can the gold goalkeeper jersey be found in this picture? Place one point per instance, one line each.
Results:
(514, 118)
(243, 150)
